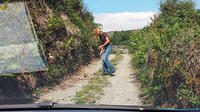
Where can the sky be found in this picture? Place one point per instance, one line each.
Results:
(118, 15)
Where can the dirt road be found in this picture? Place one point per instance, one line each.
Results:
(66, 91)
(124, 88)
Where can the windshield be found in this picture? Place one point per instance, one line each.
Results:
(139, 53)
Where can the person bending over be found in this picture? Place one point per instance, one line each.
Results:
(105, 50)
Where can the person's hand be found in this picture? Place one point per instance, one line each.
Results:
(101, 52)
(100, 47)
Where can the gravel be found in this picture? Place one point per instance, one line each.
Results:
(66, 91)
(124, 89)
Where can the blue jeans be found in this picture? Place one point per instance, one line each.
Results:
(105, 62)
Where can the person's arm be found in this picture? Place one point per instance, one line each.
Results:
(107, 41)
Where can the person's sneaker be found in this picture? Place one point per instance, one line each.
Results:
(106, 74)
(113, 71)
(112, 75)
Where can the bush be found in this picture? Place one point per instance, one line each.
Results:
(56, 27)
(120, 38)
(166, 55)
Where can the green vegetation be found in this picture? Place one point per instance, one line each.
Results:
(56, 27)
(8, 75)
(63, 28)
(94, 89)
(76, 11)
(166, 56)
(65, 34)
(120, 38)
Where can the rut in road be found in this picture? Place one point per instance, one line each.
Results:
(124, 88)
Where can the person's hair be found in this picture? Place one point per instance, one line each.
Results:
(96, 31)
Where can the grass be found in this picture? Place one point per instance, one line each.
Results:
(94, 89)
(7, 75)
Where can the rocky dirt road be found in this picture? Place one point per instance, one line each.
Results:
(66, 91)
(124, 89)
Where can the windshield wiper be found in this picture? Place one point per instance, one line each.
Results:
(55, 106)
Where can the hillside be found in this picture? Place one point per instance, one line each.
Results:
(64, 31)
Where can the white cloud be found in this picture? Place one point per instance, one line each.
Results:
(123, 21)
